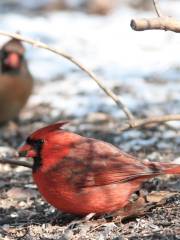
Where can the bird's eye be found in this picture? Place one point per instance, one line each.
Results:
(36, 144)
(28, 141)
(39, 141)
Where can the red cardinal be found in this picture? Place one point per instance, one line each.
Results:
(15, 80)
(82, 175)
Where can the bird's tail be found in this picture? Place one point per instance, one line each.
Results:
(164, 168)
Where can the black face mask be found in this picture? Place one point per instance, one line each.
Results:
(37, 146)
(7, 67)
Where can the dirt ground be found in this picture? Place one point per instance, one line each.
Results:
(25, 215)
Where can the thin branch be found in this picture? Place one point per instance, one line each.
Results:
(157, 8)
(146, 121)
(107, 91)
(16, 162)
(160, 23)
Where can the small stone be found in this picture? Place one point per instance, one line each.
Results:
(98, 117)
(154, 156)
(7, 152)
(102, 7)
(68, 234)
(21, 194)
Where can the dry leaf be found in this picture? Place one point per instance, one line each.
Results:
(156, 197)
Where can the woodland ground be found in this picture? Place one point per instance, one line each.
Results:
(24, 214)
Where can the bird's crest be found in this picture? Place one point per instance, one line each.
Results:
(50, 128)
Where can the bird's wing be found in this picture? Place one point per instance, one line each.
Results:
(95, 163)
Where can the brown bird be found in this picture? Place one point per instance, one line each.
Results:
(15, 80)
(83, 175)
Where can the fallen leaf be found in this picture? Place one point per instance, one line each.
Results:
(155, 197)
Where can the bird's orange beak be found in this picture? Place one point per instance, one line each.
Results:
(27, 150)
(13, 60)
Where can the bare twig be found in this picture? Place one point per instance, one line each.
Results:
(160, 23)
(107, 91)
(157, 8)
(147, 121)
(16, 162)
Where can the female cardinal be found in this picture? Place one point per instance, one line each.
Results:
(15, 80)
(82, 175)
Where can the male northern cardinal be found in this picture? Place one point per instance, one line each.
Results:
(15, 80)
(82, 175)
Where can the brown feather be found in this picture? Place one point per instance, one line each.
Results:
(15, 84)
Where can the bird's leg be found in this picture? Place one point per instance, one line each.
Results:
(89, 216)
(82, 220)
(132, 210)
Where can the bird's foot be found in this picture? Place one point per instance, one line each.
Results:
(85, 219)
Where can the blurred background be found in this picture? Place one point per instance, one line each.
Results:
(141, 67)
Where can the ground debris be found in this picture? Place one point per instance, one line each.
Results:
(153, 213)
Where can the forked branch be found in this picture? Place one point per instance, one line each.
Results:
(138, 123)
